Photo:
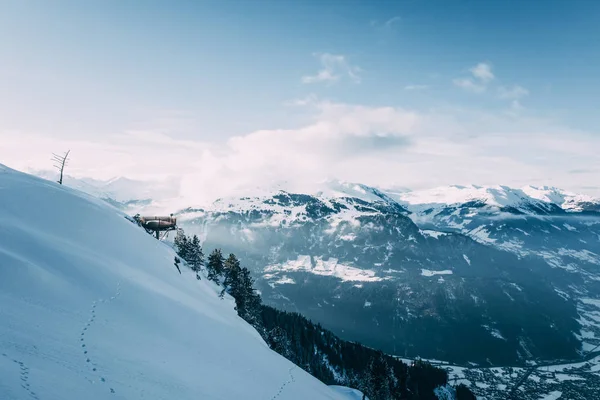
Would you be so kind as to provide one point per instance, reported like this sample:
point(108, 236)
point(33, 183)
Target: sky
point(230, 94)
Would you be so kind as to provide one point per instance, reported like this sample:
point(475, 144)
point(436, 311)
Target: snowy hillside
point(93, 308)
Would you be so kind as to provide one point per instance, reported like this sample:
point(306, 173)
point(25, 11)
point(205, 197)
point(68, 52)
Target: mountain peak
point(497, 196)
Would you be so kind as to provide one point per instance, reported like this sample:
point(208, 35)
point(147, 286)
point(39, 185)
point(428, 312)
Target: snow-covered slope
point(526, 199)
point(566, 200)
point(120, 189)
point(91, 307)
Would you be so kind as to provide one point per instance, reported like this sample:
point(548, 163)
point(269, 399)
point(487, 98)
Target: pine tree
point(463, 393)
point(280, 342)
point(231, 272)
point(377, 382)
point(195, 255)
point(181, 244)
point(215, 266)
point(249, 302)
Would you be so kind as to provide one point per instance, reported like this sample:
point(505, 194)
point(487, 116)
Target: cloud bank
point(381, 146)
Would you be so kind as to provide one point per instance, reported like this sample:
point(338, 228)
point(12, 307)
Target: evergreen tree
point(215, 266)
point(279, 341)
point(181, 244)
point(377, 379)
point(195, 255)
point(248, 301)
point(463, 393)
point(231, 272)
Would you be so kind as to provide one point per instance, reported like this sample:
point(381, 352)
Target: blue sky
point(113, 75)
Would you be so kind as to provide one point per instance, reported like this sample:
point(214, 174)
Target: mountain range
point(473, 275)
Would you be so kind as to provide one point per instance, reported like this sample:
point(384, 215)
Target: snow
point(342, 189)
point(284, 280)
point(427, 272)
point(593, 302)
point(570, 228)
point(581, 255)
point(167, 195)
point(565, 377)
point(566, 200)
point(481, 235)
point(460, 194)
point(494, 332)
point(495, 196)
point(330, 267)
point(93, 307)
point(552, 395)
point(433, 234)
point(348, 237)
point(348, 393)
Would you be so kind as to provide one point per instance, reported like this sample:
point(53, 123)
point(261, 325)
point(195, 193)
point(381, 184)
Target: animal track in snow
point(291, 380)
point(24, 372)
point(85, 330)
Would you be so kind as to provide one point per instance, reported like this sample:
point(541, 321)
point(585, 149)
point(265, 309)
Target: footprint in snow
point(24, 376)
point(91, 320)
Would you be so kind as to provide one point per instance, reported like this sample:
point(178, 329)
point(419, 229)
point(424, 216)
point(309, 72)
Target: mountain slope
point(363, 269)
point(529, 200)
point(92, 307)
point(559, 228)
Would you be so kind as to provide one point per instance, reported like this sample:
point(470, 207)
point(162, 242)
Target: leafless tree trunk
point(60, 161)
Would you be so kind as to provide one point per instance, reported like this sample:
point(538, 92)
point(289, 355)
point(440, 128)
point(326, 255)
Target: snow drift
point(92, 307)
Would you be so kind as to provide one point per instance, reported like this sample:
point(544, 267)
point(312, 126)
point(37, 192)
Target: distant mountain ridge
point(523, 199)
point(527, 200)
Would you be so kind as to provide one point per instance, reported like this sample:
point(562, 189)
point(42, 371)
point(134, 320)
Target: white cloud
point(469, 85)
point(136, 154)
point(387, 24)
point(334, 68)
point(385, 146)
point(311, 99)
point(514, 92)
point(416, 87)
point(391, 21)
point(482, 75)
point(483, 72)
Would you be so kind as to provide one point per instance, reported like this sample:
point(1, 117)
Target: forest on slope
point(315, 349)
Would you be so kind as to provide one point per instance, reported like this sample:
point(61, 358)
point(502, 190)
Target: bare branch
point(61, 162)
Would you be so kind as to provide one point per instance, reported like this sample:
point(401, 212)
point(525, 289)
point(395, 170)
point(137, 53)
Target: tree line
point(310, 346)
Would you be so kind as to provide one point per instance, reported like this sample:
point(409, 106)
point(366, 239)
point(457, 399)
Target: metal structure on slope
point(157, 224)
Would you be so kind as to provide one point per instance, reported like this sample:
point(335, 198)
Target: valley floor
point(543, 381)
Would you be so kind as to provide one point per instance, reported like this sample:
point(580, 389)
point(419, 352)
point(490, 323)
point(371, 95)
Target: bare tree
point(60, 161)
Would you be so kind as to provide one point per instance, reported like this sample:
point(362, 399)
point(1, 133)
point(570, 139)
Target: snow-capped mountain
point(526, 200)
point(340, 259)
point(91, 307)
point(490, 275)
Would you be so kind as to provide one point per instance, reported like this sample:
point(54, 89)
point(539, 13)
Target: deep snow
point(92, 307)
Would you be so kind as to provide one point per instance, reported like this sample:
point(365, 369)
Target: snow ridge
point(497, 196)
